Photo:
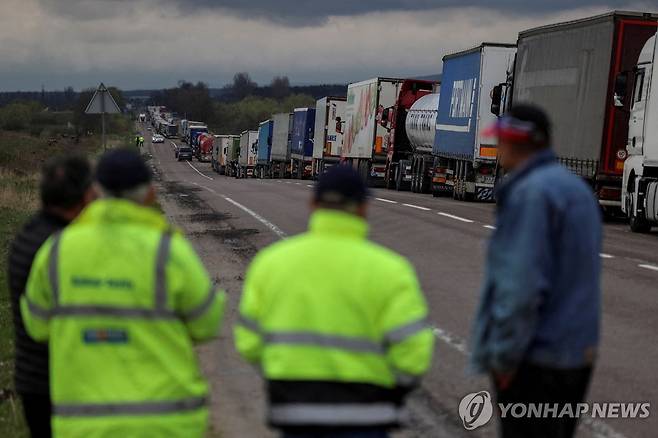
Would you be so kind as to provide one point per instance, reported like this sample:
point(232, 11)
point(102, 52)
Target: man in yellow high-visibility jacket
point(337, 324)
point(121, 298)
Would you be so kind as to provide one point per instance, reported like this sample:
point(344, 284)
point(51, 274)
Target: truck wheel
point(639, 225)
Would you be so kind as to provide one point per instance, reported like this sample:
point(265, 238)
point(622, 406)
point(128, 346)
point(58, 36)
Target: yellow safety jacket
point(121, 298)
point(337, 324)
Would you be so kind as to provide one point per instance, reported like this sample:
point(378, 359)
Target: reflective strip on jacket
point(121, 298)
point(338, 325)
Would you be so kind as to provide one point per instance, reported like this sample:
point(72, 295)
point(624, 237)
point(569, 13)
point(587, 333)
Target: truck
point(281, 144)
point(301, 147)
point(171, 130)
point(220, 152)
point(194, 131)
point(203, 150)
point(465, 163)
point(233, 158)
point(420, 128)
point(186, 130)
point(248, 149)
point(264, 149)
point(406, 167)
point(576, 71)
point(640, 176)
point(328, 133)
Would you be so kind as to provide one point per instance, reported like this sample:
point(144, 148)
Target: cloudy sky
point(154, 43)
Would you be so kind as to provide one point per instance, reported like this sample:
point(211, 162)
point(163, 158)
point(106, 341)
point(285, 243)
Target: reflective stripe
point(404, 379)
point(201, 308)
point(334, 414)
point(38, 311)
point(112, 311)
point(401, 333)
point(132, 408)
point(249, 324)
point(160, 272)
point(361, 345)
point(53, 264)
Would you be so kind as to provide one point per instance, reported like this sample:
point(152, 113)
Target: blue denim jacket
point(540, 301)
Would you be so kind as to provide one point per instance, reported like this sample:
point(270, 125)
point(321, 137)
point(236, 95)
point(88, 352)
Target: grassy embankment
point(21, 155)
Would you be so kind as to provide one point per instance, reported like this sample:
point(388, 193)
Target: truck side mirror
point(496, 99)
point(621, 86)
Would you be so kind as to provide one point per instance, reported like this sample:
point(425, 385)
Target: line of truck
point(593, 76)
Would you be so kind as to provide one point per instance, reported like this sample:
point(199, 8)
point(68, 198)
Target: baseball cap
point(122, 169)
point(341, 184)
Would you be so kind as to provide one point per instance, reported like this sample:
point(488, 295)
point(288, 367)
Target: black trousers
point(535, 384)
point(37, 410)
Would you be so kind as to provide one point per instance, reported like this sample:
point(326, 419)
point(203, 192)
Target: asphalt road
point(445, 240)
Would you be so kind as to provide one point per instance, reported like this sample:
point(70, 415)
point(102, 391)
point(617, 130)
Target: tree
point(243, 86)
point(280, 87)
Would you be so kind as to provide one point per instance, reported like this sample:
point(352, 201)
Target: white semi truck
point(640, 178)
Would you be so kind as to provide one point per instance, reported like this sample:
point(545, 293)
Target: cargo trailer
point(571, 69)
point(301, 146)
point(328, 133)
point(221, 152)
point(281, 143)
point(264, 149)
point(233, 157)
point(465, 162)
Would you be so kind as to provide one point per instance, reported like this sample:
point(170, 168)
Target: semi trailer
point(233, 157)
point(328, 133)
point(577, 71)
point(465, 162)
point(248, 148)
point(420, 127)
point(281, 144)
point(203, 150)
point(264, 149)
point(301, 147)
point(220, 152)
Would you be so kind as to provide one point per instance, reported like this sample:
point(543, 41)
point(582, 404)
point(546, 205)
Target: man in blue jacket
point(537, 328)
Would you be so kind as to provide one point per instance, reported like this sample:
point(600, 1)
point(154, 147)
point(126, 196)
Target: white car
point(157, 139)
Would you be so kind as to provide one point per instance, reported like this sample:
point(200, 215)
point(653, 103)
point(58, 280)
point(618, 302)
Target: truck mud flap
point(484, 194)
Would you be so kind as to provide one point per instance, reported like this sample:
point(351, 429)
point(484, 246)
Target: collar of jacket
point(540, 159)
point(326, 221)
point(121, 211)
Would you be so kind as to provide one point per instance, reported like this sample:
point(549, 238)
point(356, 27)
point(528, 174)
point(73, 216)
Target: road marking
point(386, 200)
point(457, 218)
point(288, 182)
point(649, 267)
point(417, 207)
point(606, 256)
point(489, 227)
point(199, 172)
point(298, 184)
point(309, 185)
point(454, 341)
point(276, 230)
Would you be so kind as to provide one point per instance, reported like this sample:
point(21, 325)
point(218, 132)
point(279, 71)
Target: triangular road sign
point(102, 102)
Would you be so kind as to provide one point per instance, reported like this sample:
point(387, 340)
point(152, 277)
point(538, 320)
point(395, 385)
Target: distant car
point(157, 139)
point(184, 153)
point(149, 128)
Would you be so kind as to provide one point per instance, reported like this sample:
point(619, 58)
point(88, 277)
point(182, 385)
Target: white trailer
point(329, 129)
point(220, 151)
point(281, 142)
point(248, 151)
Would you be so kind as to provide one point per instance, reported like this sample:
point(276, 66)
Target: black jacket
point(31, 366)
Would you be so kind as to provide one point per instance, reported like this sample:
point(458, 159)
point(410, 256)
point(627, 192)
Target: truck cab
point(640, 177)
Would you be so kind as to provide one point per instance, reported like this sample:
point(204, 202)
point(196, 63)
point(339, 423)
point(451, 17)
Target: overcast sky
point(154, 43)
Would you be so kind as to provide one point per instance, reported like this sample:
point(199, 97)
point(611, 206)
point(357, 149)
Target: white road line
point(454, 341)
point(288, 182)
point(309, 185)
point(649, 267)
point(489, 227)
point(457, 218)
point(607, 256)
point(386, 200)
point(417, 207)
point(199, 172)
point(298, 184)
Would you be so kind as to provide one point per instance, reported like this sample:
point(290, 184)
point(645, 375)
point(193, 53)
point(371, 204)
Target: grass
point(21, 157)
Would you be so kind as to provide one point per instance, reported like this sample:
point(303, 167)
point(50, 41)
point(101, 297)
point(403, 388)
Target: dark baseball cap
point(341, 185)
point(122, 169)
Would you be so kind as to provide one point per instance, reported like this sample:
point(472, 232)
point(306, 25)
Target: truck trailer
point(301, 147)
point(420, 127)
point(328, 133)
point(264, 149)
point(281, 143)
point(465, 162)
point(220, 152)
point(203, 150)
point(571, 70)
point(248, 148)
point(233, 157)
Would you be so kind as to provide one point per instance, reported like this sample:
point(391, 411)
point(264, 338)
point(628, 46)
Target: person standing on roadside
point(122, 298)
point(337, 324)
point(65, 189)
point(537, 327)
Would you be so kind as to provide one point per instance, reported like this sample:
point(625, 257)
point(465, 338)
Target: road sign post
point(102, 103)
